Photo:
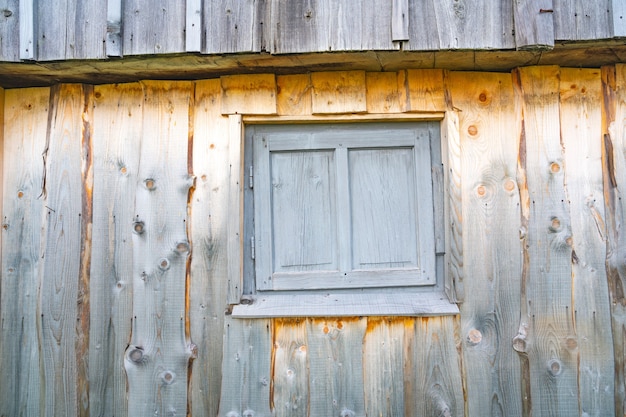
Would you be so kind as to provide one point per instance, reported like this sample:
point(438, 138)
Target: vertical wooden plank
point(63, 216)
point(400, 20)
point(236, 26)
point(336, 366)
point(290, 394)
point(193, 25)
point(460, 25)
point(249, 94)
point(246, 368)
point(114, 28)
point(491, 223)
point(383, 367)
point(235, 209)
point(422, 90)
point(153, 27)
point(582, 20)
point(117, 130)
point(581, 130)
point(10, 31)
point(382, 95)
point(614, 172)
point(534, 24)
point(453, 207)
point(436, 367)
point(157, 358)
point(293, 95)
point(546, 333)
point(209, 236)
point(618, 17)
point(27, 19)
point(25, 126)
point(338, 92)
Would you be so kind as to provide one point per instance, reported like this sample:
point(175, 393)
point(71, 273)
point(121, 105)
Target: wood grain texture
point(114, 28)
point(64, 234)
point(460, 25)
point(435, 387)
point(156, 360)
point(9, 30)
point(117, 131)
point(338, 92)
point(249, 94)
point(290, 365)
point(209, 263)
point(70, 29)
point(25, 125)
point(327, 25)
point(534, 29)
point(153, 27)
point(246, 368)
point(234, 26)
point(234, 239)
point(27, 30)
point(491, 222)
point(547, 335)
point(581, 100)
point(193, 25)
point(582, 20)
point(336, 366)
point(618, 16)
point(400, 20)
point(613, 173)
point(293, 95)
point(382, 92)
point(421, 90)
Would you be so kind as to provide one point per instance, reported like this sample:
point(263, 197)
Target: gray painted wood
point(460, 24)
point(534, 24)
point(581, 20)
point(235, 237)
point(156, 361)
point(193, 25)
point(26, 117)
point(400, 20)
point(234, 26)
point(491, 222)
point(117, 130)
point(114, 28)
point(153, 26)
point(27, 32)
point(618, 15)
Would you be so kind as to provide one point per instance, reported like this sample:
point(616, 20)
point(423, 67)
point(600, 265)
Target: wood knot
point(168, 377)
point(136, 354)
point(182, 247)
point(555, 367)
point(472, 130)
point(474, 337)
point(164, 264)
point(519, 344)
point(138, 227)
point(555, 167)
point(555, 224)
point(150, 184)
point(509, 185)
point(7, 13)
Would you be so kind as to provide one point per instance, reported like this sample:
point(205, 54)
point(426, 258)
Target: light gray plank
point(25, 126)
point(405, 303)
point(27, 34)
point(71, 29)
point(193, 26)
point(209, 263)
point(335, 348)
point(246, 368)
point(153, 26)
point(9, 30)
point(114, 28)
point(546, 328)
point(534, 24)
point(63, 215)
point(452, 24)
point(118, 124)
point(400, 20)
point(489, 129)
point(618, 17)
point(235, 208)
point(583, 159)
point(234, 26)
point(582, 20)
point(156, 361)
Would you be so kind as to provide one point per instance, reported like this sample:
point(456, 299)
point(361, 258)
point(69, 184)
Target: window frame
point(399, 301)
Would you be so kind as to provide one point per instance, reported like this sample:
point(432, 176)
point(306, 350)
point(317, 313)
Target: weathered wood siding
point(73, 29)
point(121, 252)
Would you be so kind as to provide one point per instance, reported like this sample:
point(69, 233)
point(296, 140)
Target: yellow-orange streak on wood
point(338, 92)
point(294, 95)
point(249, 94)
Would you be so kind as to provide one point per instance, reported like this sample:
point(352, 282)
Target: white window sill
point(267, 305)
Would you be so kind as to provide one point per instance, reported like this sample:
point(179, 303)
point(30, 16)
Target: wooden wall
point(72, 29)
point(117, 252)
